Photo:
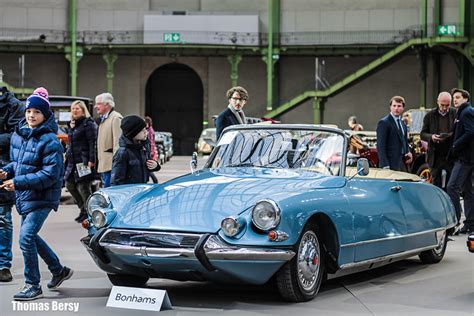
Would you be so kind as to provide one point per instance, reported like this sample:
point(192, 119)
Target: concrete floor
point(403, 288)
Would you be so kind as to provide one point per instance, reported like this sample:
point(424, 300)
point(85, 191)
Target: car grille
point(150, 239)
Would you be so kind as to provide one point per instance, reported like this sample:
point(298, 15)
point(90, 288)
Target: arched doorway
point(174, 100)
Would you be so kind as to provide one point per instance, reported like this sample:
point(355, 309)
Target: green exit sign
point(171, 37)
point(447, 30)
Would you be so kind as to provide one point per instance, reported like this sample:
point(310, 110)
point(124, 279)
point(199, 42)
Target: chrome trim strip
point(359, 243)
point(148, 252)
point(149, 232)
point(407, 254)
point(214, 248)
point(217, 249)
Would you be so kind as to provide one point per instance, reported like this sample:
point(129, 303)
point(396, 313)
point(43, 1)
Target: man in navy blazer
point(462, 154)
point(234, 113)
point(392, 138)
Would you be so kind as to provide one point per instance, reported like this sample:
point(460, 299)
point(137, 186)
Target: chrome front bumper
point(213, 247)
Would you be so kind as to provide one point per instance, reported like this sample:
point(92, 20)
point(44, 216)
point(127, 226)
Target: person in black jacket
point(234, 113)
point(11, 112)
point(132, 163)
point(80, 156)
point(437, 130)
point(462, 153)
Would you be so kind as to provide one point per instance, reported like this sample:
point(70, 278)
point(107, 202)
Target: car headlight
point(98, 218)
point(96, 201)
point(266, 215)
point(232, 226)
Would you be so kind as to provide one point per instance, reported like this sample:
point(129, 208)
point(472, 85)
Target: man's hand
point(408, 158)
point(90, 164)
point(151, 164)
point(436, 138)
point(8, 185)
point(3, 174)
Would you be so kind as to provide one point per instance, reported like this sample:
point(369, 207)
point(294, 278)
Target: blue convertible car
point(272, 201)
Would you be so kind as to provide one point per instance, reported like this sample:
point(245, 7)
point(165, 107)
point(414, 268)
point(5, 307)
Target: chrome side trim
point(217, 249)
point(407, 254)
point(364, 242)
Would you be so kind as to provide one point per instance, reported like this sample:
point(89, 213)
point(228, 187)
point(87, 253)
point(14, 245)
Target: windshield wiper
point(243, 164)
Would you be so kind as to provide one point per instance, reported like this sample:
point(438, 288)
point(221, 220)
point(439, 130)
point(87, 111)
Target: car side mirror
point(194, 162)
point(362, 167)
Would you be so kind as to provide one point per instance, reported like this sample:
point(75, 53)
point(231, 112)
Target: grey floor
point(403, 288)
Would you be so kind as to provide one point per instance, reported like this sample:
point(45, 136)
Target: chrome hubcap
point(308, 261)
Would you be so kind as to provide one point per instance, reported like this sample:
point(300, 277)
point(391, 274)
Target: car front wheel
point(127, 280)
point(300, 278)
point(435, 255)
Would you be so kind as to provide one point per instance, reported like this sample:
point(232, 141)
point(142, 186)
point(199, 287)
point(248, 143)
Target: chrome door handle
point(396, 188)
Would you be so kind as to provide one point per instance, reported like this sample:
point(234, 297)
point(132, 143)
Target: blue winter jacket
point(37, 166)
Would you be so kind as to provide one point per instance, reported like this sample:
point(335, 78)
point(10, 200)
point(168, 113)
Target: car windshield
point(313, 150)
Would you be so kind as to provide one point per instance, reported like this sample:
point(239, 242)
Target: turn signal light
point(470, 245)
point(85, 224)
point(275, 235)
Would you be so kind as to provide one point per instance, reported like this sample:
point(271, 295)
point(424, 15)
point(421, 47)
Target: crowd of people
point(34, 167)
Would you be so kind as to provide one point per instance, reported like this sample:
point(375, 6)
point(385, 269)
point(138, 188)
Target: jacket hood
point(48, 126)
point(199, 202)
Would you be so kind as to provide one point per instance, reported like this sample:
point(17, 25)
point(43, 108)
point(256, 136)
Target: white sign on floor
point(138, 298)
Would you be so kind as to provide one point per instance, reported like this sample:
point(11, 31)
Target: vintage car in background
point(61, 107)
point(366, 144)
point(205, 142)
point(164, 146)
point(272, 202)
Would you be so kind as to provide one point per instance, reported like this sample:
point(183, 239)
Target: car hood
point(198, 202)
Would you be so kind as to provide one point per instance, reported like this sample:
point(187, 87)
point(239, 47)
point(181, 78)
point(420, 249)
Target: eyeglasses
point(238, 99)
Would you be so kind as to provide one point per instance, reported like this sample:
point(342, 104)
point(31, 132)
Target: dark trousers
point(461, 181)
point(437, 173)
point(80, 191)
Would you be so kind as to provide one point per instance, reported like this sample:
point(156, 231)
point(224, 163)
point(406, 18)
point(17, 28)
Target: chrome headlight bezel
point(272, 208)
point(99, 218)
point(231, 226)
point(98, 200)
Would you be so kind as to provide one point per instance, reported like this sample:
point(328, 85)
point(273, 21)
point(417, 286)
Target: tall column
point(110, 59)
point(271, 54)
point(318, 110)
point(234, 68)
point(423, 74)
point(73, 60)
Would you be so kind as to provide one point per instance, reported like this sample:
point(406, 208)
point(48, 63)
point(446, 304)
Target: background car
point(203, 147)
point(272, 202)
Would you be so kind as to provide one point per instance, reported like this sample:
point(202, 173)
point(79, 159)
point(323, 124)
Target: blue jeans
point(6, 236)
point(460, 181)
point(106, 178)
point(31, 245)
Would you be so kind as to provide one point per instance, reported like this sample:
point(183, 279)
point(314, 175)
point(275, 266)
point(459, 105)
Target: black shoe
point(5, 275)
point(28, 293)
point(464, 230)
point(81, 217)
point(57, 280)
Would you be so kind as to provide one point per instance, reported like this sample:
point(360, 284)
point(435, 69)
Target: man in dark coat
point(392, 138)
point(11, 112)
point(437, 131)
point(462, 154)
point(234, 113)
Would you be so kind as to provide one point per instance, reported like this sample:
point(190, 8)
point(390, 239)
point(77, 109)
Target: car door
point(424, 211)
point(378, 218)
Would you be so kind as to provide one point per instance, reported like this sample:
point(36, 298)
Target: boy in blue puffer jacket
point(35, 174)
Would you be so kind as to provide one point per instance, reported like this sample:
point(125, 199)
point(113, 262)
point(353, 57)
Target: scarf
point(239, 115)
